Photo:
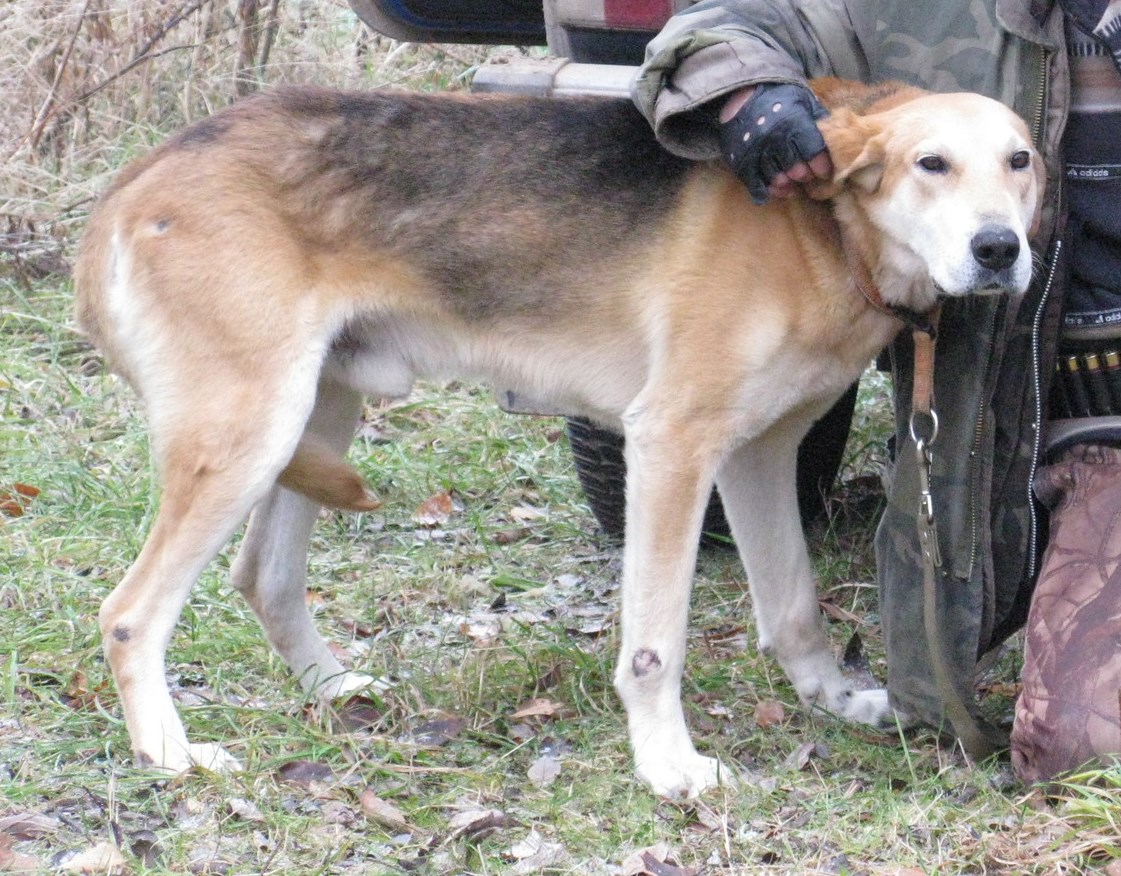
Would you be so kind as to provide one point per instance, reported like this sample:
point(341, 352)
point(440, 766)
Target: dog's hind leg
point(271, 566)
point(220, 445)
point(757, 487)
point(670, 464)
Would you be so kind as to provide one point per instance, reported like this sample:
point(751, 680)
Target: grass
point(510, 601)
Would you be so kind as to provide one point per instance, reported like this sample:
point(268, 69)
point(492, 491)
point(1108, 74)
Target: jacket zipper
point(1037, 378)
point(1039, 110)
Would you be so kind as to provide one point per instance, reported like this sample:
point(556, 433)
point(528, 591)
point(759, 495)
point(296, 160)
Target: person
point(1026, 469)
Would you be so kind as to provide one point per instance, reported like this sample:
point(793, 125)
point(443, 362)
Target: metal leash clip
point(928, 532)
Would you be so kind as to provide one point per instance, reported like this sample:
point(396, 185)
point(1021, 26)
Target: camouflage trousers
point(1069, 713)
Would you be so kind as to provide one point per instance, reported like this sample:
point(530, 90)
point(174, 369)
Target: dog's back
point(484, 202)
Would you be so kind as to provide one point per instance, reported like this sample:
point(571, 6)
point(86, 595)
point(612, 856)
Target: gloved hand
point(771, 133)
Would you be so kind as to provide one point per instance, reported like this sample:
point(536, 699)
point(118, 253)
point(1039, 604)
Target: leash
point(978, 737)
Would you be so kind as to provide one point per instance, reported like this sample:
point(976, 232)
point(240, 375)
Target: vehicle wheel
point(602, 469)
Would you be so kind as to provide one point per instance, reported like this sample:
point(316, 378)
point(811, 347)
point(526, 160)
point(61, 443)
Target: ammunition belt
point(1087, 380)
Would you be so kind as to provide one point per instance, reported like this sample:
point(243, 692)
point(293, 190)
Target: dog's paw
point(214, 757)
point(687, 779)
point(863, 706)
point(177, 759)
point(344, 684)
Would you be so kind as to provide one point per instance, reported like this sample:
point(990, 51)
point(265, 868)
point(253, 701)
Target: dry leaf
point(656, 860)
point(14, 502)
point(12, 861)
point(304, 772)
point(525, 513)
point(29, 825)
point(245, 810)
point(102, 858)
point(538, 707)
point(474, 824)
point(436, 510)
point(511, 535)
point(769, 713)
point(544, 771)
point(358, 712)
point(338, 813)
point(438, 732)
point(534, 854)
point(799, 758)
point(381, 811)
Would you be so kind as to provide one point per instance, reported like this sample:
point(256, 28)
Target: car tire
point(602, 470)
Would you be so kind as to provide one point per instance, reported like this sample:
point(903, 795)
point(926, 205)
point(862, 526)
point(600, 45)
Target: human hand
point(769, 138)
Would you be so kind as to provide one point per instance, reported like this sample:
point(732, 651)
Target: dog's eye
point(1020, 159)
point(933, 164)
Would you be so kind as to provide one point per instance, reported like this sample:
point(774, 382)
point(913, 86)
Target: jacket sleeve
point(714, 48)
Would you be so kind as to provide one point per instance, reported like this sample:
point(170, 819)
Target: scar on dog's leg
point(666, 494)
point(216, 460)
point(271, 566)
point(199, 512)
point(644, 662)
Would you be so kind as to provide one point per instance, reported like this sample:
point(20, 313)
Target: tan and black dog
point(260, 272)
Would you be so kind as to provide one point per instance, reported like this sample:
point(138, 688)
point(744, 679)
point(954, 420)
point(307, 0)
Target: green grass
point(466, 623)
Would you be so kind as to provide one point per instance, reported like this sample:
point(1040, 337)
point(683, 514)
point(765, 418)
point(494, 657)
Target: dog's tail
point(318, 472)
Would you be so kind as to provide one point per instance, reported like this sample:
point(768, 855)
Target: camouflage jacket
point(994, 357)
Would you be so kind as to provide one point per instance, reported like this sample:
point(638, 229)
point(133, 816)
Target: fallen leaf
point(481, 630)
point(511, 535)
point(245, 810)
point(544, 771)
point(14, 502)
point(102, 858)
point(304, 772)
point(534, 854)
point(769, 713)
point(711, 820)
point(358, 712)
point(799, 758)
point(475, 824)
point(436, 510)
point(337, 812)
point(12, 861)
point(145, 845)
point(654, 867)
point(656, 860)
point(438, 732)
point(538, 707)
point(381, 811)
point(525, 513)
point(29, 825)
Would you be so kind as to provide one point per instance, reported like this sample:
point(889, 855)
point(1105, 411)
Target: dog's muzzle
point(996, 252)
point(995, 247)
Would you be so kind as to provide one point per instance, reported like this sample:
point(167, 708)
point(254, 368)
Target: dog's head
point(943, 190)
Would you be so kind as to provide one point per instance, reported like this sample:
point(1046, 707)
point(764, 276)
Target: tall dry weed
point(84, 84)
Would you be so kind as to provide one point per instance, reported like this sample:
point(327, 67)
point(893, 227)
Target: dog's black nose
point(995, 247)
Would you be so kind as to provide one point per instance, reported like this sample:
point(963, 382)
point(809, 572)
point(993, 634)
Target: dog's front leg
point(757, 487)
point(669, 478)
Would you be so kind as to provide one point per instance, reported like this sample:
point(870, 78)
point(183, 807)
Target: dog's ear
point(856, 147)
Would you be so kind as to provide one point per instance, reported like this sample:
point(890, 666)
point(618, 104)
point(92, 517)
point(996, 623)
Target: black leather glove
point(771, 133)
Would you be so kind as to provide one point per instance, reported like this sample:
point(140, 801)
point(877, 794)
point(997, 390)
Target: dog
point(259, 273)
